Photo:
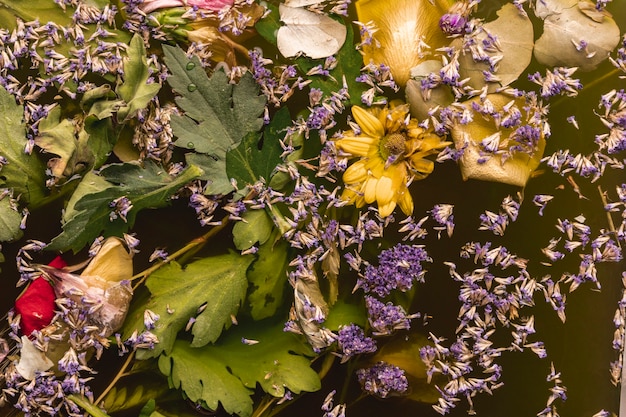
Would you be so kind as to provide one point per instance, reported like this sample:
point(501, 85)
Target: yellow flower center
point(392, 147)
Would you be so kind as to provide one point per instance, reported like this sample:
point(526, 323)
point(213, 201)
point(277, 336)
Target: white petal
point(31, 360)
point(312, 34)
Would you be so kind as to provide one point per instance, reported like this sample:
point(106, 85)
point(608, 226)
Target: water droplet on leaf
point(191, 145)
point(192, 88)
point(190, 66)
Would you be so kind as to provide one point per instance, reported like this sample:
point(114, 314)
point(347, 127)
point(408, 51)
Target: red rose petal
point(36, 305)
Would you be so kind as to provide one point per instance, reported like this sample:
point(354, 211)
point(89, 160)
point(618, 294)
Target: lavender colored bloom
point(386, 318)
point(453, 23)
point(399, 267)
point(352, 341)
point(383, 380)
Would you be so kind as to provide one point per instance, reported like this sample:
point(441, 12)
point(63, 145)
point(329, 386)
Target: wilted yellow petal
point(403, 26)
point(112, 263)
point(370, 125)
point(425, 166)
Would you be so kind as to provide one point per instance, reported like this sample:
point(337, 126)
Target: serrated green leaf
point(349, 63)
point(204, 379)
point(219, 281)
point(135, 90)
point(9, 221)
point(218, 114)
point(214, 173)
point(24, 173)
point(255, 227)
point(146, 187)
point(253, 160)
point(225, 372)
point(267, 277)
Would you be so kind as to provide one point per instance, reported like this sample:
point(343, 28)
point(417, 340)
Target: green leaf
point(349, 63)
point(227, 371)
point(146, 187)
point(135, 391)
point(255, 227)
point(214, 172)
point(267, 277)
point(269, 25)
point(10, 220)
point(218, 281)
point(342, 313)
point(135, 90)
point(24, 173)
point(42, 10)
point(218, 114)
point(253, 160)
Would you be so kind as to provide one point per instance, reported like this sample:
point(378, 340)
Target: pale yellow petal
point(402, 27)
point(370, 125)
point(357, 145)
point(355, 173)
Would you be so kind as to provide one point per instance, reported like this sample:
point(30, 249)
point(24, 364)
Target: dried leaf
point(566, 26)
point(514, 32)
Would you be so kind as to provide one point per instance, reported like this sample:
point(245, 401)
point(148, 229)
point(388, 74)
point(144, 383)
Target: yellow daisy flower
point(392, 149)
point(403, 28)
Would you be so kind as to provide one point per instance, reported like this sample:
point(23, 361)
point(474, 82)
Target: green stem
point(86, 405)
point(191, 247)
point(119, 375)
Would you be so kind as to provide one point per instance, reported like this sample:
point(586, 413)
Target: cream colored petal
point(370, 125)
point(358, 145)
point(402, 27)
point(356, 173)
point(369, 190)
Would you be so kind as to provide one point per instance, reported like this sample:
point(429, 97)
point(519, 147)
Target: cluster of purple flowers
point(386, 318)
point(383, 380)
point(399, 267)
point(352, 341)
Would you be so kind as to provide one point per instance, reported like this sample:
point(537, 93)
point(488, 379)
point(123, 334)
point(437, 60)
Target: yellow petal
point(425, 166)
point(386, 210)
point(355, 173)
point(369, 190)
point(112, 263)
point(402, 27)
point(357, 145)
point(370, 125)
point(405, 201)
point(385, 191)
